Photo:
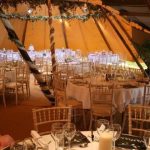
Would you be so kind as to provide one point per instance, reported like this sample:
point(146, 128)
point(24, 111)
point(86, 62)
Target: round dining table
point(47, 142)
point(122, 95)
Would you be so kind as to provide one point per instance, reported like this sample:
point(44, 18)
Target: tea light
point(105, 141)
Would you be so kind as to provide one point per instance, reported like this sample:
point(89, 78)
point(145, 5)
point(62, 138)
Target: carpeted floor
point(17, 120)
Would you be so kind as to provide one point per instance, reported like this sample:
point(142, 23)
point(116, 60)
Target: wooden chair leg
point(4, 100)
point(124, 119)
point(16, 96)
point(91, 121)
point(84, 119)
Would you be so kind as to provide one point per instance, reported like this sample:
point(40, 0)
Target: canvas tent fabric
point(79, 35)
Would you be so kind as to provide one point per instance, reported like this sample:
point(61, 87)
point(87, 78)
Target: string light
point(60, 20)
point(67, 24)
point(30, 10)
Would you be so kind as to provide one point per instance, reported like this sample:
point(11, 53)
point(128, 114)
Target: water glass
point(116, 130)
point(69, 132)
point(102, 125)
point(147, 139)
point(58, 135)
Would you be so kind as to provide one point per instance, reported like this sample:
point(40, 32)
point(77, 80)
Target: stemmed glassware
point(116, 130)
point(147, 139)
point(57, 133)
point(69, 132)
point(102, 125)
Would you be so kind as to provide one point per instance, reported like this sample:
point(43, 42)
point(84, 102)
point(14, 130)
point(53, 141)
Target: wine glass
point(102, 125)
point(69, 132)
point(147, 139)
point(57, 133)
point(116, 130)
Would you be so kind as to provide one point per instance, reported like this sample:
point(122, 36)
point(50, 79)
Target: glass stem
point(69, 144)
point(56, 145)
point(113, 144)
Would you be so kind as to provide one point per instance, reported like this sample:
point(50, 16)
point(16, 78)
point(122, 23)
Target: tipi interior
point(69, 66)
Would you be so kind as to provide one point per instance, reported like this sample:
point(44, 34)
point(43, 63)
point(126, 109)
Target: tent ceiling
point(79, 35)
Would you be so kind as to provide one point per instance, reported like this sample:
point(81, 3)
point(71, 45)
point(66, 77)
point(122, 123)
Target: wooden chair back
point(101, 94)
point(2, 84)
point(146, 99)
point(139, 119)
point(101, 99)
point(44, 117)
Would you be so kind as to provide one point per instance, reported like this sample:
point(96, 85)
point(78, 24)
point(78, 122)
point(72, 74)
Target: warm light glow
point(67, 24)
point(60, 20)
point(102, 27)
point(30, 10)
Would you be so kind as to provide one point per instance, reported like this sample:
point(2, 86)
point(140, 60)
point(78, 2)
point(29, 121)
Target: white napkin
point(38, 139)
point(101, 128)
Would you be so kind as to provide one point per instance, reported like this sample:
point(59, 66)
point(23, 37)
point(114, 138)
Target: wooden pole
point(64, 33)
point(51, 35)
point(102, 34)
point(24, 32)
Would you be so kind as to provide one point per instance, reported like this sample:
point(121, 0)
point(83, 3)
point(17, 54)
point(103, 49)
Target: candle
point(105, 141)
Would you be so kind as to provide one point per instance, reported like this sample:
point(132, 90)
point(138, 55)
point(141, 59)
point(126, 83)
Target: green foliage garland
point(67, 10)
point(144, 51)
point(82, 17)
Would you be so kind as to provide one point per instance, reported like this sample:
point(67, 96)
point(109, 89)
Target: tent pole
point(83, 37)
point(24, 32)
point(127, 46)
point(128, 36)
point(64, 33)
point(33, 68)
point(51, 35)
point(101, 32)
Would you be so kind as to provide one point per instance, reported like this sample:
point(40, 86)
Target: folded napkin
point(78, 139)
point(131, 142)
point(38, 139)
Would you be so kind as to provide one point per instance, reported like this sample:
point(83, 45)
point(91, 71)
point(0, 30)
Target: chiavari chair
point(44, 117)
point(139, 119)
point(101, 99)
point(59, 85)
point(2, 85)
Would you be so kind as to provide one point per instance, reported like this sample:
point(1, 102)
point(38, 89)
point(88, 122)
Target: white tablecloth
point(93, 145)
point(122, 96)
